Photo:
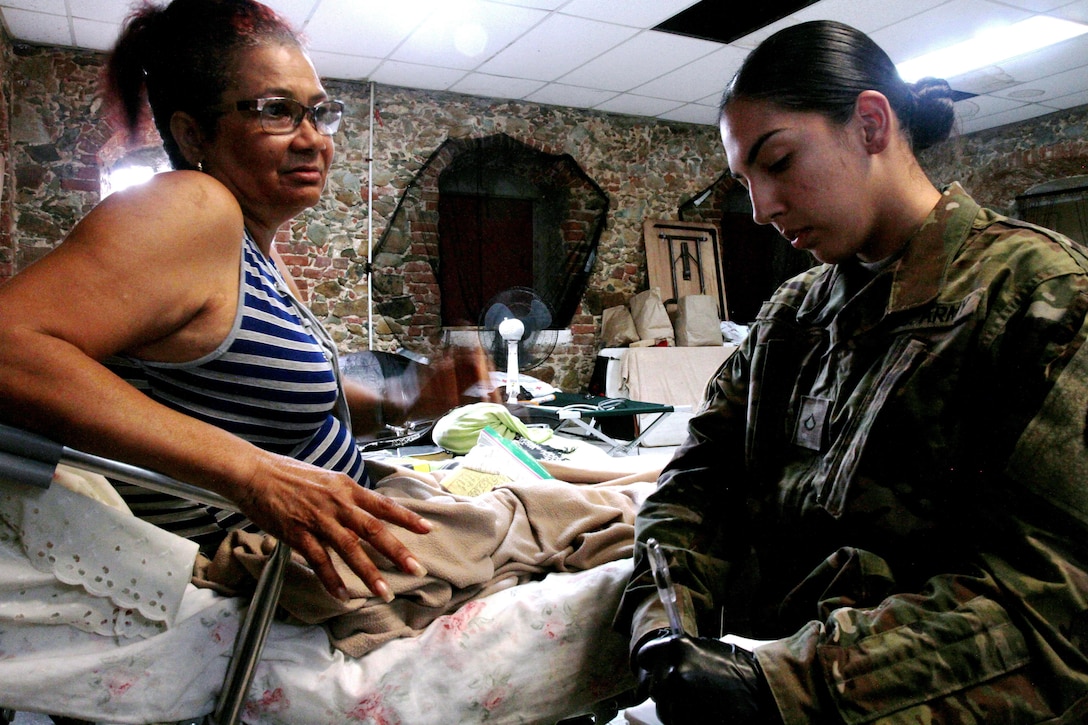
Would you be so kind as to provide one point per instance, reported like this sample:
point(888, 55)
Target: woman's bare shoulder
point(188, 203)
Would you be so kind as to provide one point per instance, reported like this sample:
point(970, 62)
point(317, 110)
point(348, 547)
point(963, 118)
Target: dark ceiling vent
point(725, 21)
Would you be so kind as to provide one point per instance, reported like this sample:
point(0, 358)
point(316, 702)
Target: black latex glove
point(697, 680)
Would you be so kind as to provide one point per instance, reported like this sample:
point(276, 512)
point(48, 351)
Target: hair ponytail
point(124, 76)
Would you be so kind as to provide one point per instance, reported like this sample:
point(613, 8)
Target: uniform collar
point(920, 271)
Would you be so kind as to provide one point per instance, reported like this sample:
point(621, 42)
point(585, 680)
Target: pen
point(665, 589)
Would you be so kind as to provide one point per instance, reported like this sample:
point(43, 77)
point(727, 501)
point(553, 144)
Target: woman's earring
point(200, 166)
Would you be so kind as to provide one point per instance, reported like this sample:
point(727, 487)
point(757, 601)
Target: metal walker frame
point(32, 459)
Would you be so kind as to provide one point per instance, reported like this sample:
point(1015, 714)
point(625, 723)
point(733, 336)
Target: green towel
point(458, 430)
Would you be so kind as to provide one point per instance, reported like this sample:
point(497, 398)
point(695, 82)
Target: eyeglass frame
point(258, 105)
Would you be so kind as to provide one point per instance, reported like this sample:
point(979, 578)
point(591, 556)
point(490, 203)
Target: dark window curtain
point(485, 246)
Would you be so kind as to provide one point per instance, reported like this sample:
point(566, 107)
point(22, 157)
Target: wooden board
point(684, 258)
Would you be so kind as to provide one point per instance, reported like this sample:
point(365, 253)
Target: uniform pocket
point(839, 467)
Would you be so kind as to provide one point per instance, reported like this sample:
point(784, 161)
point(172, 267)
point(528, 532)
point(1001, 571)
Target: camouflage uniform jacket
point(890, 480)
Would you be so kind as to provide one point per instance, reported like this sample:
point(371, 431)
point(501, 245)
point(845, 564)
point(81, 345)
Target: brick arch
point(405, 284)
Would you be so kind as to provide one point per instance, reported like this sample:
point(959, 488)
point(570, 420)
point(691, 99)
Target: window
point(134, 168)
point(483, 215)
point(1060, 205)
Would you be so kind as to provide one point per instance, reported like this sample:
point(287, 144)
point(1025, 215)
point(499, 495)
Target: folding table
point(583, 412)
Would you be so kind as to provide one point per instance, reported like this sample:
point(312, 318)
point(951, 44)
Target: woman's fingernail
point(342, 594)
point(415, 567)
point(384, 591)
point(426, 523)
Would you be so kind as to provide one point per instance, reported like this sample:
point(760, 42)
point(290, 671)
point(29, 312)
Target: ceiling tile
point(637, 105)
point(942, 26)
point(990, 79)
point(866, 17)
point(345, 67)
point(555, 47)
point(1076, 11)
point(1064, 56)
point(107, 11)
point(363, 28)
point(296, 11)
point(699, 79)
point(693, 113)
point(413, 75)
point(465, 39)
point(1080, 98)
point(539, 4)
point(1042, 90)
point(558, 94)
point(38, 27)
point(982, 106)
point(646, 56)
point(636, 13)
point(53, 7)
point(1037, 6)
point(1015, 115)
point(94, 34)
point(483, 84)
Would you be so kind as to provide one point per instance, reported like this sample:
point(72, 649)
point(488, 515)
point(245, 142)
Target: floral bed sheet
point(535, 653)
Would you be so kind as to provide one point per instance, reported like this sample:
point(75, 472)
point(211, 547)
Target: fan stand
point(511, 329)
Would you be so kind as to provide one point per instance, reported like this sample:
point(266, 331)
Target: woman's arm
point(154, 273)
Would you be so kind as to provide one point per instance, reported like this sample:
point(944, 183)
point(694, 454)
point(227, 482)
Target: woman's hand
point(459, 377)
point(315, 511)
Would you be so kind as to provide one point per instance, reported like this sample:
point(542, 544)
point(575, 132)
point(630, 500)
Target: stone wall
point(998, 164)
point(54, 142)
point(57, 134)
point(7, 180)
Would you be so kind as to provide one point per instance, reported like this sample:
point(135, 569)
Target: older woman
point(909, 528)
point(163, 331)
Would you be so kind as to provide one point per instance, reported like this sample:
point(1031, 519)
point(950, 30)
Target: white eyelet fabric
point(69, 557)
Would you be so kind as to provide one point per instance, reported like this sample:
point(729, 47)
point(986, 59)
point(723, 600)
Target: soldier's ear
point(874, 119)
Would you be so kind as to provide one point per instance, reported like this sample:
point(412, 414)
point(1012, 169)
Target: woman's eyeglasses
point(284, 115)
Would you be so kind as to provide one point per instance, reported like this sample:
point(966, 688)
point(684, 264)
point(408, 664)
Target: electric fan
point(514, 331)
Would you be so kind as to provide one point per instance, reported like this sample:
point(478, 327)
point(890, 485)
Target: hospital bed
point(537, 652)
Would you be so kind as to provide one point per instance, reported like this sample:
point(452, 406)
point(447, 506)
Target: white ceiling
point(601, 54)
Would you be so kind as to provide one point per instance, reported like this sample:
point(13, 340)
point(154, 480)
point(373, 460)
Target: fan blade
point(539, 316)
point(495, 315)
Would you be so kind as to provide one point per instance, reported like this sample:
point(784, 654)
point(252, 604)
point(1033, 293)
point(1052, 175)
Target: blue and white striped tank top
point(273, 381)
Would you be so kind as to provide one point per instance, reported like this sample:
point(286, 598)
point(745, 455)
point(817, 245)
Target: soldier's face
point(805, 174)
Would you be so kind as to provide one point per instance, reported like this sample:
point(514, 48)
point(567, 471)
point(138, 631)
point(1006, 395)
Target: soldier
point(888, 479)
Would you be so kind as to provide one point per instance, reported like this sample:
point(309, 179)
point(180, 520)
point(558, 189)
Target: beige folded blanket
point(478, 545)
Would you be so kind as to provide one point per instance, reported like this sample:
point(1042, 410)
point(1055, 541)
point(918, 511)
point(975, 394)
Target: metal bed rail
point(32, 459)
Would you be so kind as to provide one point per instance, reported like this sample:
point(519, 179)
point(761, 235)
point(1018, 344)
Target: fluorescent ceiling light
point(990, 47)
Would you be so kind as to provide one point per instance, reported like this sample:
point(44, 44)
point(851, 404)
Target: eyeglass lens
point(283, 115)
